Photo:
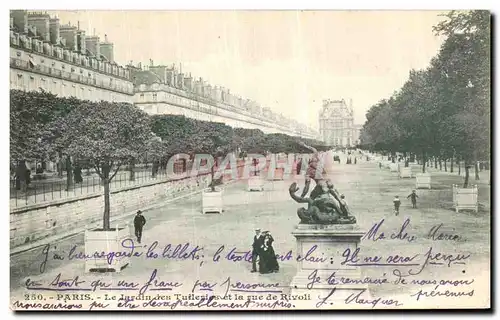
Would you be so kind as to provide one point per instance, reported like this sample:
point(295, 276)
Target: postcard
point(250, 160)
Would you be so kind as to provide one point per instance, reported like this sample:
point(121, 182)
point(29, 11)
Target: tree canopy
point(444, 110)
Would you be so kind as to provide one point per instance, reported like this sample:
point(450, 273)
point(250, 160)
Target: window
point(155, 96)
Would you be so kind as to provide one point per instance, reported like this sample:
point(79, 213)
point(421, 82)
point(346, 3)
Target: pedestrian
point(258, 242)
point(267, 260)
point(299, 166)
point(397, 203)
point(413, 196)
point(139, 222)
point(355, 160)
point(77, 172)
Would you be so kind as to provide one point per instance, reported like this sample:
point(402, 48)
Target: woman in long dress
point(268, 262)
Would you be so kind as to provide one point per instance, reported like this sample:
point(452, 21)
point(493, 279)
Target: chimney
point(20, 18)
point(107, 49)
point(54, 27)
point(188, 83)
point(93, 45)
point(69, 33)
point(80, 42)
point(180, 80)
point(170, 76)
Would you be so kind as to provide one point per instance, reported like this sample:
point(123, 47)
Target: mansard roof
point(145, 77)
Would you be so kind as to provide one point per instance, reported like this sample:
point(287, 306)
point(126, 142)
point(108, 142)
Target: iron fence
point(55, 188)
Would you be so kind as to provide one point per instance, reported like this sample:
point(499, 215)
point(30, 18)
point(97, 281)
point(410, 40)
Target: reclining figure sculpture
point(324, 206)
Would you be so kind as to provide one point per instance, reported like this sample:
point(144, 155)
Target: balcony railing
point(41, 69)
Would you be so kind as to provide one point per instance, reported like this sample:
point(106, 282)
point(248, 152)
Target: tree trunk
point(424, 161)
point(212, 182)
point(60, 165)
point(105, 179)
point(435, 162)
point(476, 170)
point(69, 173)
point(445, 165)
point(132, 170)
point(451, 163)
point(466, 180)
point(459, 168)
point(440, 164)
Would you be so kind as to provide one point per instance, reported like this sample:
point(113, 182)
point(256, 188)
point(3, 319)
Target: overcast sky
point(286, 60)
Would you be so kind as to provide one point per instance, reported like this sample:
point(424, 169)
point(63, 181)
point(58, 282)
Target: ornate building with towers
point(336, 123)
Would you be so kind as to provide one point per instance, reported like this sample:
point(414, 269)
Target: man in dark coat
point(258, 242)
point(139, 222)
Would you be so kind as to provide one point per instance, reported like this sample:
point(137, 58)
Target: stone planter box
point(99, 241)
point(405, 172)
point(278, 174)
point(393, 167)
point(255, 183)
point(423, 180)
point(465, 198)
point(212, 201)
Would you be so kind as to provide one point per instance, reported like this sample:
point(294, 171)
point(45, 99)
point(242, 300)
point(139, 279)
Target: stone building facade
point(61, 59)
point(166, 90)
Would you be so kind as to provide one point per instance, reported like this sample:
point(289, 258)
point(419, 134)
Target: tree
point(107, 134)
point(444, 110)
point(213, 138)
point(33, 126)
point(465, 60)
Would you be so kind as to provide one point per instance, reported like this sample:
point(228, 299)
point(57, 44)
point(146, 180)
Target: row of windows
point(111, 83)
point(167, 109)
point(60, 53)
point(26, 82)
point(178, 100)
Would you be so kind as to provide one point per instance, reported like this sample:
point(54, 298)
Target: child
point(397, 203)
point(414, 197)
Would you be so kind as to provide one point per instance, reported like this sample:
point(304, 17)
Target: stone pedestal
point(331, 242)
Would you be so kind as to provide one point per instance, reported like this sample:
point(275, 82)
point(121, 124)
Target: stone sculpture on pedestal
point(328, 228)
